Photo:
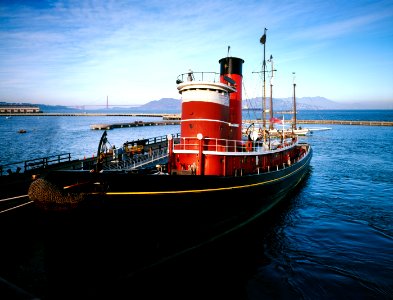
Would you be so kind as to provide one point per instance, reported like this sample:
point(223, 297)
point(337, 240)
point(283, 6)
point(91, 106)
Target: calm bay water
point(331, 239)
point(47, 136)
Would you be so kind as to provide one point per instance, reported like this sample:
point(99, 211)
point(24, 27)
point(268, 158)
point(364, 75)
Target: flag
point(276, 120)
point(262, 40)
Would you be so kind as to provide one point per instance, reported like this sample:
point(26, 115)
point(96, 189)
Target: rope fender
point(49, 196)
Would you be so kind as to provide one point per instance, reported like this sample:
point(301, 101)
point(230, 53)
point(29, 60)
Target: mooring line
point(12, 198)
point(17, 206)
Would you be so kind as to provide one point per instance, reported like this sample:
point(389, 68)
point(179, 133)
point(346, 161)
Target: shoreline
point(177, 117)
point(73, 114)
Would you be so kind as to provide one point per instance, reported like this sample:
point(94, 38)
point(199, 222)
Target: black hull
point(204, 205)
point(129, 223)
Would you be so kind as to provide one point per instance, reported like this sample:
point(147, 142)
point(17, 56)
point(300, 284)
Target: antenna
point(262, 40)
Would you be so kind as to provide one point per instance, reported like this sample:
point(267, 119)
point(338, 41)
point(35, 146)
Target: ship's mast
point(263, 42)
point(271, 92)
point(294, 103)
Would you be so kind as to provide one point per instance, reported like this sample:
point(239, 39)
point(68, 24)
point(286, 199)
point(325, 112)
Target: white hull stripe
point(209, 120)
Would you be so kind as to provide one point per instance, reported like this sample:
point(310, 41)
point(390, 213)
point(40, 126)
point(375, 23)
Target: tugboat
point(211, 173)
point(212, 181)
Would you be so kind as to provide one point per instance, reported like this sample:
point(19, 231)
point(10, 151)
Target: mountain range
point(304, 103)
point(171, 105)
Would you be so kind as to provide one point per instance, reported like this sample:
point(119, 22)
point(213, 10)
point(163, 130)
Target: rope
point(15, 207)
point(47, 195)
point(12, 198)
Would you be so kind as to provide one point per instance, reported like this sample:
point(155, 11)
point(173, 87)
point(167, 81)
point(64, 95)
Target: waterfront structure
point(18, 109)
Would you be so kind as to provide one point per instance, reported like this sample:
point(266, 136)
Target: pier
point(174, 119)
point(85, 114)
point(132, 124)
point(334, 122)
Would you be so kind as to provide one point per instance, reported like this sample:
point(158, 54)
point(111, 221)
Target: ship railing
point(63, 159)
point(192, 144)
point(37, 163)
point(198, 76)
point(151, 141)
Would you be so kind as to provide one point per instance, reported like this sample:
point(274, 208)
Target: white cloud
point(133, 51)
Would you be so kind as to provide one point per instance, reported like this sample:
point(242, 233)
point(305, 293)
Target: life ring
point(248, 145)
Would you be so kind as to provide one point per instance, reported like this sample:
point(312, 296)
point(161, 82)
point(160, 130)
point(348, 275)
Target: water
point(352, 115)
point(331, 239)
point(337, 238)
point(47, 136)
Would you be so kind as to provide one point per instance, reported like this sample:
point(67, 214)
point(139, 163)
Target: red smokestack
point(231, 67)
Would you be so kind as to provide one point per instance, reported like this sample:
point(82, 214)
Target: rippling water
point(54, 135)
point(332, 239)
point(336, 240)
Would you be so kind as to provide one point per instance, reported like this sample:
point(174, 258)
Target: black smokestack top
point(231, 65)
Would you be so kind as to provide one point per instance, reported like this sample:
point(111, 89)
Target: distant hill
point(167, 104)
point(56, 108)
point(304, 103)
point(171, 105)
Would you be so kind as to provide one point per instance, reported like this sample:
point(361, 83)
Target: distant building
point(18, 109)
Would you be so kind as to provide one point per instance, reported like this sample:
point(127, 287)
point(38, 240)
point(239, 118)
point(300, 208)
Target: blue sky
point(79, 52)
